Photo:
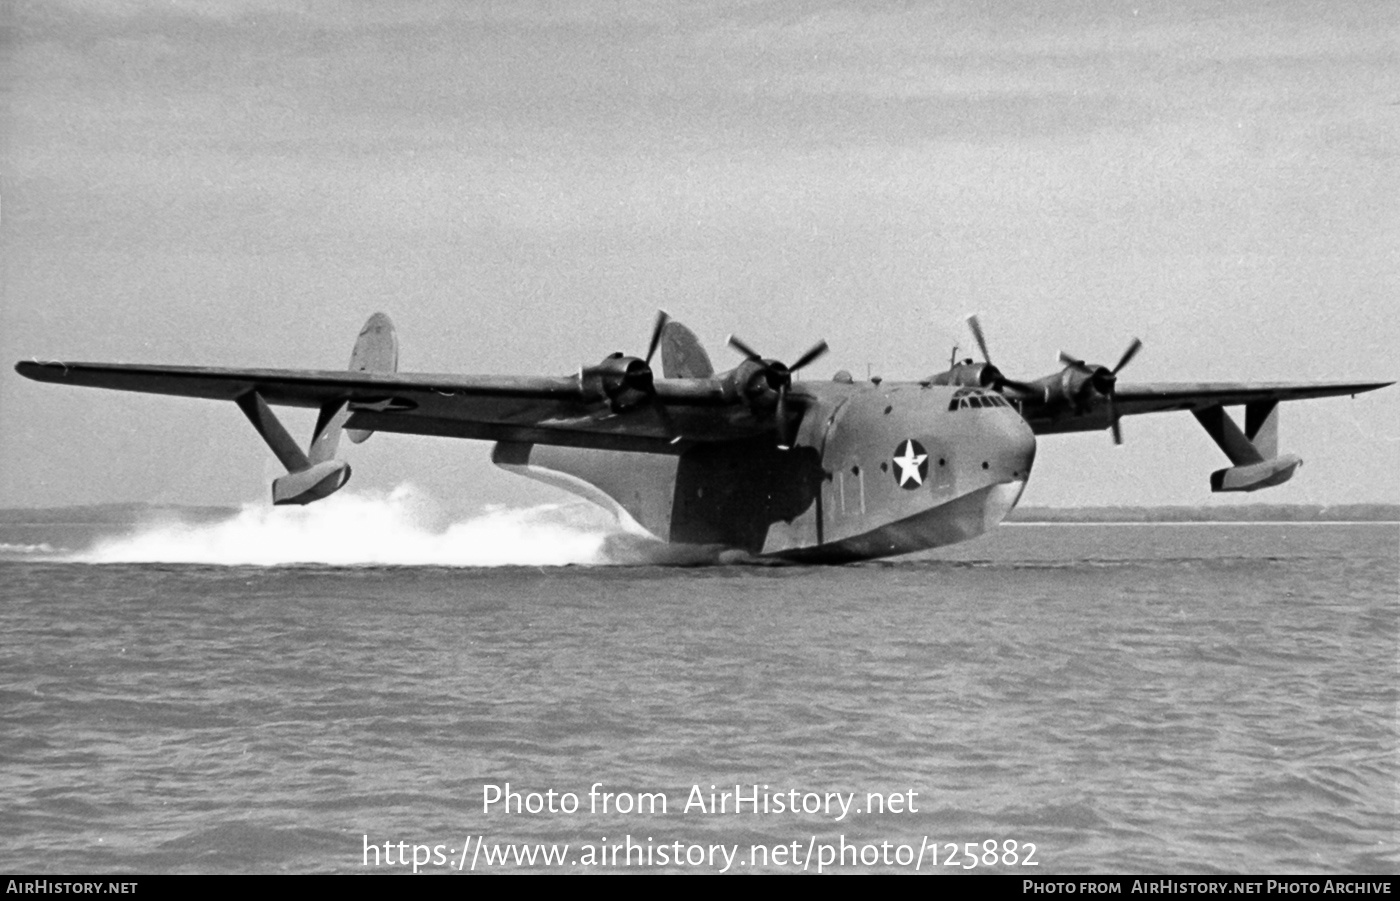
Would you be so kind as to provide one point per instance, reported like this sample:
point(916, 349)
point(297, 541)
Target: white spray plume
point(402, 527)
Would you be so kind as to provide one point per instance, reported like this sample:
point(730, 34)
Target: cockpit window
point(966, 398)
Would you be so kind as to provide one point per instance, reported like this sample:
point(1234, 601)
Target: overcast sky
point(520, 186)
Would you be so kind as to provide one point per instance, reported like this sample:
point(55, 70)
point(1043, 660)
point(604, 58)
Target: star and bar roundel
point(910, 464)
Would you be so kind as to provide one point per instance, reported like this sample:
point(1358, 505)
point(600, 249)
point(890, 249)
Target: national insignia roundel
point(910, 464)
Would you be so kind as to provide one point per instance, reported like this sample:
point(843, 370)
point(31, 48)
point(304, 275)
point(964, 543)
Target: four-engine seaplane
point(748, 460)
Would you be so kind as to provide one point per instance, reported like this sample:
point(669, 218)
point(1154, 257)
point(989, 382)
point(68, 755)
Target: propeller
point(1105, 382)
point(778, 376)
point(999, 381)
point(662, 317)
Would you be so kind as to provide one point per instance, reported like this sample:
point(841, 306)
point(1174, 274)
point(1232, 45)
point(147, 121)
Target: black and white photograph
point(701, 437)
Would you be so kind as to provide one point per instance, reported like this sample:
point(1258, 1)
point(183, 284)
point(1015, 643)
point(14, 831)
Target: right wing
point(1162, 397)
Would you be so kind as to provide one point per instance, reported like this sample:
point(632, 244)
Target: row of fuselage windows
point(971, 397)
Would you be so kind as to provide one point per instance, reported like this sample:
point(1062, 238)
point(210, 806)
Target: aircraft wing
point(1160, 397)
point(541, 410)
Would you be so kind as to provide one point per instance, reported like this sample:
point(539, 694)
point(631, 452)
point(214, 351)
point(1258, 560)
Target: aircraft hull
point(875, 472)
point(960, 519)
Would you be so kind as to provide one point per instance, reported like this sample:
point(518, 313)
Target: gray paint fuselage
point(876, 470)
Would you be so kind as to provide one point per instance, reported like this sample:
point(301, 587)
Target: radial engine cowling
point(758, 382)
point(623, 382)
point(968, 374)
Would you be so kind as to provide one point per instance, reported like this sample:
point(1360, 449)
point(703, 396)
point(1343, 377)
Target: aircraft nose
point(1008, 449)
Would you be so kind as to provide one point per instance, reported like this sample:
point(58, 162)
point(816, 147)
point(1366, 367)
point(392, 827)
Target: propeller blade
point(976, 327)
point(1128, 355)
point(662, 317)
point(1077, 364)
point(780, 420)
point(817, 350)
point(1113, 421)
point(743, 348)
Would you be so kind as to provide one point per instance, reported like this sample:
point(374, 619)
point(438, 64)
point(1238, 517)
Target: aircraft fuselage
point(876, 469)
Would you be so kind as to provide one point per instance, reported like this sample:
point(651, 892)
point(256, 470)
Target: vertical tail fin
point(376, 350)
point(682, 357)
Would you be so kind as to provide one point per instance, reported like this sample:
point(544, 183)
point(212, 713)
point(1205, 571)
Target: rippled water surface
point(1183, 698)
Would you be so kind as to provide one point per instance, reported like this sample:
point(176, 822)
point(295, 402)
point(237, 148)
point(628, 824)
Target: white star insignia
point(909, 463)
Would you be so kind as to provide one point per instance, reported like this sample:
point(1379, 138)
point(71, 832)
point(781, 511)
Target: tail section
point(316, 473)
point(682, 357)
point(376, 350)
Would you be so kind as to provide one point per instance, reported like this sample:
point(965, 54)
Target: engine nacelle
point(757, 383)
point(623, 382)
point(968, 374)
point(1077, 387)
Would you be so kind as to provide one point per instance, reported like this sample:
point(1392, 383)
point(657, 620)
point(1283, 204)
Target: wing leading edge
point(618, 405)
point(1161, 397)
point(543, 410)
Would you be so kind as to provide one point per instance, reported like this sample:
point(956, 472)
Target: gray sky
point(520, 186)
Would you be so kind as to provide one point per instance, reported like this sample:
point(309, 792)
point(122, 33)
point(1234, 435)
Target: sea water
point(1052, 699)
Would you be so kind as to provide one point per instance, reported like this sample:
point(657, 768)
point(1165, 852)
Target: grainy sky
point(521, 185)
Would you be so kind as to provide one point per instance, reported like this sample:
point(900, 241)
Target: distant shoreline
point(1237, 513)
point(127, 513)
point(112, 514)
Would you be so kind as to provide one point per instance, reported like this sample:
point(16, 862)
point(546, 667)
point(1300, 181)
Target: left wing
point(617, 404)
point(541, 410)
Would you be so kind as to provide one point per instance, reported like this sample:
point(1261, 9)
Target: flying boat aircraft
point(745, 460)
